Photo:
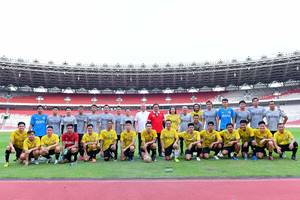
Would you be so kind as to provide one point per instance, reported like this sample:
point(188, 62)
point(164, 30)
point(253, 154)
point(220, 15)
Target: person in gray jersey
point(210, 115)
point(105, 117)
point(118, 126)
point(81, 128)
point(185, 119)
point(54, 120)
point(242, 114)
point(68, 119)
point(127, 117)
point(274, 116)
point(257, 113)
point(93, 118)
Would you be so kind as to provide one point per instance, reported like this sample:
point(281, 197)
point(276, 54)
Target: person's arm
point(162, 136)
point(32, 122)
point(75, 124)
point(51, 146)
point(233, 117)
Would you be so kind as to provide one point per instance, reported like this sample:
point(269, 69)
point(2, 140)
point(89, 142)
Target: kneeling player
point(31, 149)
point(169, 141)
point(263, 140)
point(192, 142)
point(285, 141)
point(231, 140)
point(247, 137)
point(90, 144)
point(16, 143)
point(211, 140)
point(148, 137)
point(50, 145)
point(70, 145)
point(108, 140)
point(127, 139)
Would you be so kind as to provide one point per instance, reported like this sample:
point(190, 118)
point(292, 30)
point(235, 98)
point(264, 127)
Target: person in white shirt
point(140, 120)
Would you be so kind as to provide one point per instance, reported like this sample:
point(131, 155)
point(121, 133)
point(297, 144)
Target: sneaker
point(36, 162)
point(293, 157)
point(55, 162)
point(280, 156)
point(49, 160)
point(216, 158)
point(6, 164)
point(220, 155)
point(254, 157)
point(234, 158)
point(198, 159)
point(94, 160)
point(271, 158)
point(176, 160)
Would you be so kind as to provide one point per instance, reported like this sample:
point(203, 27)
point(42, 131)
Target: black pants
point(81, 151)
point(116, 154)
point(159, 144)
point(181, 145)
point(286, 148)
point(140, 143)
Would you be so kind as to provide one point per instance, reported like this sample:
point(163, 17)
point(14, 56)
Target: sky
point(147, 31)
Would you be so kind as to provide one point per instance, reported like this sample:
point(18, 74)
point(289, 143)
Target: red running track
point(209, 189)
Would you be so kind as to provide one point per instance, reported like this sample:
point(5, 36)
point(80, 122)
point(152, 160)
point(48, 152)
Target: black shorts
point(168, 150)
point(90, 153)
point(107, 152)
point(30, 155)
point(246, 149)
point(286, 147)
point(148, 148)
point(127, 153)
point(193, 149)
point(206, 150)
point(18, 151)
point(51, 152)
point(229, 148)
point(261, 149)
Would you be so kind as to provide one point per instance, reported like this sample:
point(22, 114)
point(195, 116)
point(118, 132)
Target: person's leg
point(81, 151)
point(116, 154)
point(181, 145)
point(159, 145)
point(153, 148)
point(74, 153)
point(140, 143)
point(7, 153)
point(294, 150)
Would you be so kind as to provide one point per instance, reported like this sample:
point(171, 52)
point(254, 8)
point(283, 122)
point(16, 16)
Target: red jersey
point(70, 139)
point(156, 120)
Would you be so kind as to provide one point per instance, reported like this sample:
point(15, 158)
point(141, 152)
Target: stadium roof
point(21, 74)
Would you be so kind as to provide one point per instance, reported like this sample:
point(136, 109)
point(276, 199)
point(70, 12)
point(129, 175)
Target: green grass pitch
point(160, 169)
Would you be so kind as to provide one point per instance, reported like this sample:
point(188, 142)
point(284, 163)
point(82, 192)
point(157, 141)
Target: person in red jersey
point(157, 120)
point(70, 145)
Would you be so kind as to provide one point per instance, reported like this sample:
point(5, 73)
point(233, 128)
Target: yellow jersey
point(208, 138)
point(93, 137)
point(175, 119)
point(200, 113)
point(283, 138)
point(189, 138)
point(128, 137)
point(108, 138)
point(168, 137)
point(229, 137)
point(17, 138)
point(28, 144)
point(246, 134)
point(48, 141)
point(260, 136)
point(147, 137)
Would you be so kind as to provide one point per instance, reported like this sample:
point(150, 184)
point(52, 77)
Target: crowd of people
point(247, 132)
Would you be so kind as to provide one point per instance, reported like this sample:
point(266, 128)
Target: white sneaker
point(216, 158)
point(36, 162)
point(198, 159)
point(55, 162)
point(220, 155)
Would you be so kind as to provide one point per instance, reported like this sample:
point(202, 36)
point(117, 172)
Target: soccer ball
point(147, 159)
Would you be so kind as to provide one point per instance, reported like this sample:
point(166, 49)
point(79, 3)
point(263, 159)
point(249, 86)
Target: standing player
point(197, 111)
point(174, 118)
point(169, 141)
point(128, 137)
point(140, 123)
point(210, 115)
point(108, 139)
point(211, 140)
point(274, 116)
point(242, 114)
point(118, 125)
point(93, 118)
point(257, 113)
point(81, 120)
point(31, 149)
point(192, 142)
point(90, 144)
point(247, 137)
point(263, 140)
point(127, 117)
point(38, 122)
point(225, 115)
point(231, 141)
point(50, 145)
point(285, 141)
point(149, 137)
point(70, 141)
point(54, 120)
point(68, 119)
point(185, 119)
point(15, 145)
point(197, 123)
point(157, 120)
point(105, 117)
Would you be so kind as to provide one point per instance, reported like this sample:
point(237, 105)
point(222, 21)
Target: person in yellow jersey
point(263, 140)
point(15, 145)
point(191, 139)
point(174, 118)
point(285, 141)
point(128, 138)
point(210, 140)
point(50, 145)
point(149, 137)
point(231, 142)
point(197, 111)
point(108, 139)
point(169, 141)
point(31, 149)
point(247, 137)
point(90, 144)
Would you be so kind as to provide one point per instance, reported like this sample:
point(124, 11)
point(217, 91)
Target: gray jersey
point(210, 116)
point(184, 121)
point(241, 115)
point(93, 119)
point(119, 123)
point(68, 120)
point(256, 115)
point(54, 121)
point(128, 118)
point(273, 118)
point(81, 121)
point(104, 118)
